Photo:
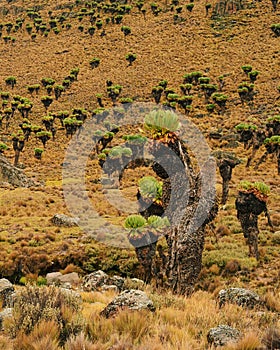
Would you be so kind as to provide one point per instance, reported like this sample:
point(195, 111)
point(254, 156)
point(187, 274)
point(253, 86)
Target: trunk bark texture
point(185, 239)
point(249, 207)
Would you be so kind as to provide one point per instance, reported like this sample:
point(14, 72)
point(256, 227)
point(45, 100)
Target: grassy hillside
point(53, 39)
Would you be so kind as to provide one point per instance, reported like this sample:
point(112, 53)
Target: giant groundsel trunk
point(185, 206)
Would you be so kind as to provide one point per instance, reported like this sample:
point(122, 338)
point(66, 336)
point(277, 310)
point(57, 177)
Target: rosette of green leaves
point(150, 188)
point(161, 122)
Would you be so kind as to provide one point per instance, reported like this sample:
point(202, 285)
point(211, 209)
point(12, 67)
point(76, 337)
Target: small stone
point(97, 279)
point(240, 296)
point(222, 335)
point(13, 175)
point(71, 279)
point(64, 220)
point(52, 277)
point(6, 291)
point(94, 280)
point(129, 299)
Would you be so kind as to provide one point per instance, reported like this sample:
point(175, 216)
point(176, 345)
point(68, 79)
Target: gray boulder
point(240, 296)
point(98, 279)
point(222, 335)
point(14, 176)
point(69, 279)
point(52, 277)
point(64, 220)
point(129, 299)
point(8, 312)
point(6, 292)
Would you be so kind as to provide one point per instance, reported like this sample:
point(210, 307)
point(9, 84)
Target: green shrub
point(276, 29)
point(204, 80)
point(126, 30)
point(32, 88)
point(94, 62)
point(190, 7)
point(220, 99)
point(58, 89)
point(11, 80)
point(44, 136)
point(253, 75)
point(99, 24)
point(186, 88)
point(47, 101)
point(210, 107)
point(172, 97)
point(23, 281)
point(47, 81)
point(157, 223)
point(274, 118)
point(273, 140)
point(130, 57)
point(41, 281)
point(246, 68)
point(244, 126)
point(157, 92)
point(3, 147)
point(38, 153)
point(118, 19)
point(5, 95)
point(259, 186)
point(125, 100)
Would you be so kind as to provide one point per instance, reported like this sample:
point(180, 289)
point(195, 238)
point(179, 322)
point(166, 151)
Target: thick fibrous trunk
point(225, 168)
point(249, 207)
point(185, 239)
point(145, 256)
point(145, 248)
point(226, 172)
point(249, 224)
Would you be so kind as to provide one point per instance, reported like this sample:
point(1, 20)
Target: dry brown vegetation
point(32, 246)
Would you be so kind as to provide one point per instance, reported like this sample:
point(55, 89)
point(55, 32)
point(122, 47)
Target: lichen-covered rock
point(14, 176)
point(6, 292)
point(94, 280)
point(98, 279)
point(222, 335)
point(128, 299)
point(5, 314)
point(116, 281)
point(240, 296)
point(64, 220)
point(110, 288)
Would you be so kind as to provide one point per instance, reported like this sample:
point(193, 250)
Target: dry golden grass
point(164, 51)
